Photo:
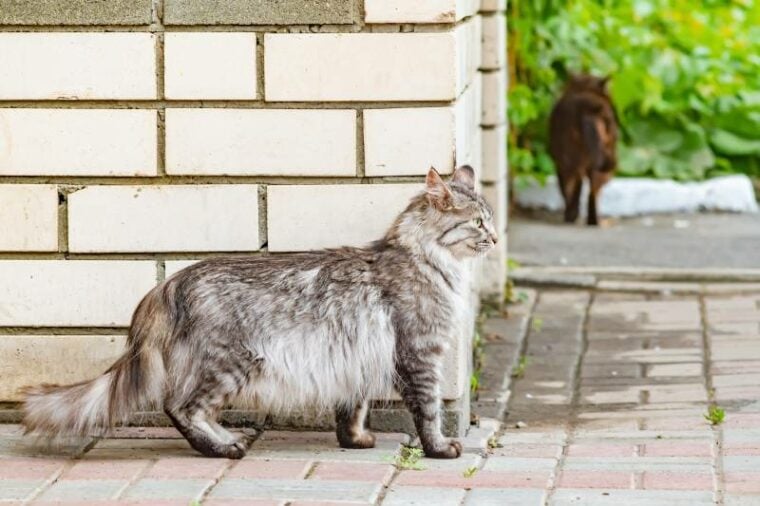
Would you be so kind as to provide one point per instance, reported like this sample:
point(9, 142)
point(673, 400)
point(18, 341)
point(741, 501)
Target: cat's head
point(457, 218)
point(588, 83)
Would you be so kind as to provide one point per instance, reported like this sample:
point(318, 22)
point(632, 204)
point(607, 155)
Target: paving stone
point(30, 469)
point(245, 502)
point(602, 450)
point(270, 469)
point(465, 461)
point(677, 481)
point(731, 499)
point(150, 489)
point(84, 490)
point(101, 469)
point(141, 449)
point(686, 464)
point(528, 450)
point(20, 490)
point(144, 433)
point(353, 471)
point(743, 482)
point(330, 490)
point(665, 370)
point(630, 497)
point(481, 479)
point(520, 464)
point(740, 463)
point(422, 496)
point(595, 479)
point(526, 436)
point(610, 371)
point(678, 449)
point(187, 468)
point(504, 497)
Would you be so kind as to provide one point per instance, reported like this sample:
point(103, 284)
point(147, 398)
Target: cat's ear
point(438, 194)
point(464, 175)
point(604, 81)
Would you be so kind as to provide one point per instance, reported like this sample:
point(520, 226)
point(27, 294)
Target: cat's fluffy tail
point(135, 381)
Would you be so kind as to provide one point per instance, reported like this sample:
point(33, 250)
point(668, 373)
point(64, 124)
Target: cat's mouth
point(482, 246)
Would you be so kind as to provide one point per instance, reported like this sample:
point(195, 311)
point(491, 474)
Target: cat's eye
point(478, 222)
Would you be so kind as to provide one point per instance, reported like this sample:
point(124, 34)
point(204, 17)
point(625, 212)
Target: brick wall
point(137, 136)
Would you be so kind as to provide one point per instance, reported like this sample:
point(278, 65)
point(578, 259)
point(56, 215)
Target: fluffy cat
point(332, 328)
point(583, 131)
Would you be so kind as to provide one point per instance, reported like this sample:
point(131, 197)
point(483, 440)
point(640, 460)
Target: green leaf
point(733, 145)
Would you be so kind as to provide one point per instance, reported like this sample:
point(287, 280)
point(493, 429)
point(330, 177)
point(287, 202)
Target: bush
point(685, 81)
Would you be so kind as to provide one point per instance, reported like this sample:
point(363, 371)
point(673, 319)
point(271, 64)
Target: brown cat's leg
point(572, 193)
point(351, 426)
point(596, 180)
point(419, 389)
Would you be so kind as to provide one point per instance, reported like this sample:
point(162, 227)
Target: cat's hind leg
point(194, 413)
point(204, 436)
point(571, 190)
point(597, 180)
point(351, 426)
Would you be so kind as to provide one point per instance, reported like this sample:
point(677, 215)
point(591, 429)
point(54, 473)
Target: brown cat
point(583, 131)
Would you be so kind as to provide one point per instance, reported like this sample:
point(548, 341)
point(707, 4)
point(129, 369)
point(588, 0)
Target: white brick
point(57, 359)
point(360, 66)
point(210, 65)
point(404, 11)
point(77, 142)
point(72, 293)
point(496, 195)
point(494, 42)
point(467, 8)
point(469, 49)
point(77, 66)
point(493, 5)
point(494, 97)
point(494, 154)
point(468, 114)
point(407, 142)
point(29, 217)
point(164, 218)
point(284, 142)
point(172, 267)
point(305, 217)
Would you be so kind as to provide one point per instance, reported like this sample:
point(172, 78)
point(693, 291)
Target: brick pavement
point(611, 405)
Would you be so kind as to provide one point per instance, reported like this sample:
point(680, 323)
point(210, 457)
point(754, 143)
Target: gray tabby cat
point(332, 328)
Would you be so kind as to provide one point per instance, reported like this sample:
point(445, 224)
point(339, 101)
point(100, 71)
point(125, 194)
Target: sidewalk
point(609, 403)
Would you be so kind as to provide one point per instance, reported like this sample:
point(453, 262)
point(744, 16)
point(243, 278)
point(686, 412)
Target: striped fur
point(330, 329)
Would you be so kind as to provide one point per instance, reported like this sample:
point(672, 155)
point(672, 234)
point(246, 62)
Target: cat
point(331, 328)
point(583, 131)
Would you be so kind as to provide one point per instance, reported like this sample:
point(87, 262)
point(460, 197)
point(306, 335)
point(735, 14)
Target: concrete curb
point(634, 279)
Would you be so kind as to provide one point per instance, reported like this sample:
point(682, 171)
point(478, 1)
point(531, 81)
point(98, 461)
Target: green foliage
point(470, 472)
point(685, 81)
point(519, 370)
point(715, 415)
point(409, 458)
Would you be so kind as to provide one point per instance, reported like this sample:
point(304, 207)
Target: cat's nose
point(494, 238)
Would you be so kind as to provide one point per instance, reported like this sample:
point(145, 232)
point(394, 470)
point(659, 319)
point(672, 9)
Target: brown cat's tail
point(134, 381)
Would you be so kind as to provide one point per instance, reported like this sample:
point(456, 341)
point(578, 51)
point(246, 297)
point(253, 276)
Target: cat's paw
point(451, 449)
point(359, 441)
point(237, 449)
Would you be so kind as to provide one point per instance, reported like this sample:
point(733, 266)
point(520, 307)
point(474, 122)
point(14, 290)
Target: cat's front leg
point(351, 426)
point(419, 386)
